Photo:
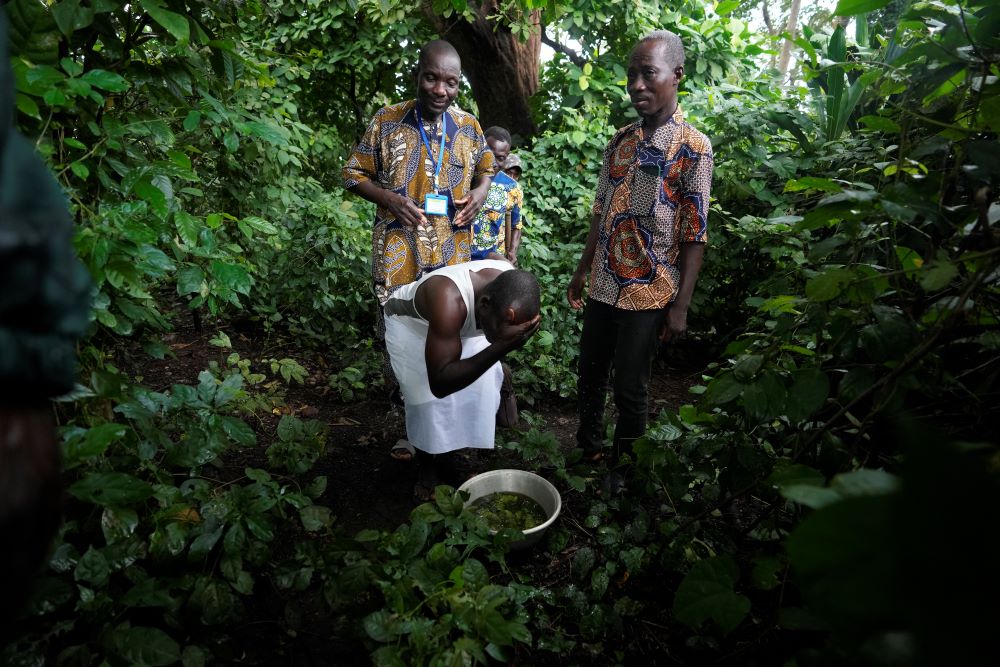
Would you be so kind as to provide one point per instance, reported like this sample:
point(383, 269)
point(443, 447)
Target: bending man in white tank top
point(446, 334)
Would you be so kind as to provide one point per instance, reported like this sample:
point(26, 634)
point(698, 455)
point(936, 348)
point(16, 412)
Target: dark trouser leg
point(638, 332)
point(597, 344)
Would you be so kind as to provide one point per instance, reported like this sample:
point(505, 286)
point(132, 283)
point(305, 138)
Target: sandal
point(403, 450)
point(422, 493)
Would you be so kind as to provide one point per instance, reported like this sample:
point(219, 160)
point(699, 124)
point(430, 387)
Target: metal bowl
point(526, 483)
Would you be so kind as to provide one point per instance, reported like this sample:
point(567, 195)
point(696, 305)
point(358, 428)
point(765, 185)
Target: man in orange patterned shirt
point(412, 156)
point(645, 246)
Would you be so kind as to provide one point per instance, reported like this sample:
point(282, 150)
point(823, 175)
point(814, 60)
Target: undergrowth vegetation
point(824, 497)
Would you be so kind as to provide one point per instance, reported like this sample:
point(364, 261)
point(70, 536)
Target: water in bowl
point(505, 510)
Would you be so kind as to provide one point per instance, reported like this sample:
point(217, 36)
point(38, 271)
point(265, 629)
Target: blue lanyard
point(427, 143)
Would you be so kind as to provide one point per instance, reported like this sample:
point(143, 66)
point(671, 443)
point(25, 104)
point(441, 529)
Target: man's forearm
point(689, 264)
point(590, 247)
point(457, 375)
point(515, 241)
point(372, 192)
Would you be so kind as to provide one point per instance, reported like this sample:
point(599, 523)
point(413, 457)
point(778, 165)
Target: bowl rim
point(530, 531)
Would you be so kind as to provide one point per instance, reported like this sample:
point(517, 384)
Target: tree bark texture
point(502, 70)
point(786, 48)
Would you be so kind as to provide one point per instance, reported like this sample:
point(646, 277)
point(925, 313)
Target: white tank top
point(401, 303)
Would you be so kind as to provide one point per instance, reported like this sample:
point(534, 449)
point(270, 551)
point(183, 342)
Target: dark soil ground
point(366, 487)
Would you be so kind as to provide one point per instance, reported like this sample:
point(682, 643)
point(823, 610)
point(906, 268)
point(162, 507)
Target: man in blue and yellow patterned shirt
point(496, 231)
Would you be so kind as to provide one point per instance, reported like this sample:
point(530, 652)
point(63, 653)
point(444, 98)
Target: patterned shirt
point(653, 194)
point(392, 155)
point(488, 234)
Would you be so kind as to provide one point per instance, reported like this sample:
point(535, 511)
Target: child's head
point(513, 167)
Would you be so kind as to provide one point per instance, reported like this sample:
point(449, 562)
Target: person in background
point(496, 231)
point(644, 249)
point(426, 165)
point(446, 335)
point(513, 167)
point(44, 310)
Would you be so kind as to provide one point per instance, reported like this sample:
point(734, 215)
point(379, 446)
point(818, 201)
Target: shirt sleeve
point(485, 160)
point(364, 162)
point(603, 181)
point(697, 184)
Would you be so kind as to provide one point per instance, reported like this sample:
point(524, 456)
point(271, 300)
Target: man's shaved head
point(437, 47)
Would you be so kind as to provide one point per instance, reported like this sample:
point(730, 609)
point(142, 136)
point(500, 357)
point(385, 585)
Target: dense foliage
point(824, 499)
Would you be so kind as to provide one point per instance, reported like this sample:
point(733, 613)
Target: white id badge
point(436, 204)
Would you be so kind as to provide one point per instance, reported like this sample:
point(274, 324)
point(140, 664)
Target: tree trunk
point(502, 70)
point(786, 48)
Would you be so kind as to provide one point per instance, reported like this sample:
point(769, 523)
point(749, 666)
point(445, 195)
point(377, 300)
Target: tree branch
point(574, 57)
point(767, 19)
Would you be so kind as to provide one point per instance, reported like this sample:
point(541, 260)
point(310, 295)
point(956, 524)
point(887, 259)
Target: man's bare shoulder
point(441, 302)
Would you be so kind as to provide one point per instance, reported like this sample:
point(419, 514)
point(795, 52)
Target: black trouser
point(625, 340)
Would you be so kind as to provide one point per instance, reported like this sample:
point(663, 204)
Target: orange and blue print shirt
point(653, 194)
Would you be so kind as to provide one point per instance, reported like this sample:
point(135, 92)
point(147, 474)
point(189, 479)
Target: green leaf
point(726, 7)
point(316, 488)
point(880, 124)
point(315, 517)
point(583, 562)
point(747, 367)
point(28, 106)
point(765, 398)
point(380, 626)
point(215, 600)
point(188, 227)
point(192, 120)
point(118, 523)
point(190, 280)
point(265, 131)
point(764, 575)
point(938, 275)
point(260, 225)
point(828, 285)
point(810, 389)
point(80, 170)
point(810, 496)
point(194, 656)
point(844, 559)
point(723, 389)
point(175, 24)
point(232, 276)
point(105, 80)
point(857, 381)
point(231, 141)
point(70, 16)
point(95, 443)
point(706, 593)
point(812, 183)
point(146, 646)
point(33, 31)
point(239, 431)
point(150, 592)
point(204, 543)
point(92, 568)
point(889, 339)
point(794, 474)
point(111, 488)
point(865, 482)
